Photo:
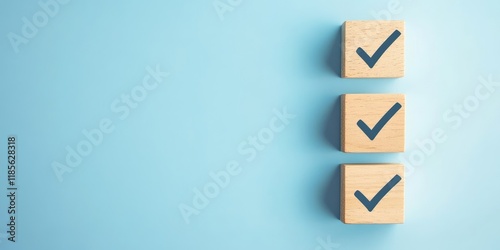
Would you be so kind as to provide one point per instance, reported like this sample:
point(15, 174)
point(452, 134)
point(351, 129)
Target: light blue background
point(226, 77)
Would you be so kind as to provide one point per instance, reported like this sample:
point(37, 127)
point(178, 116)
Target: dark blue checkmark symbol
point(370, 205)
point(371, 61)
point(372, 133)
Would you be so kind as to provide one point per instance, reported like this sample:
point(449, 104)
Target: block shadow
point(333, 57)
point(331, 193)
point(331, 129)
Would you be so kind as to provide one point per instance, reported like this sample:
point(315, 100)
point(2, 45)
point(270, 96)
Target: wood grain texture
point(369, 179)
point(370, 108)
point(369, 35)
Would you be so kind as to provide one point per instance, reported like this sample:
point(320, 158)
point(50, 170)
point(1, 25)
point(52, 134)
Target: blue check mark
point(370, 205)
point(371, 61)
point(372, 133)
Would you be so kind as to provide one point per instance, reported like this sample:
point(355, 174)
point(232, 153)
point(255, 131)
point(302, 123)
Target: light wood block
point(370, 109)
point(369, 36)
point(370, 179)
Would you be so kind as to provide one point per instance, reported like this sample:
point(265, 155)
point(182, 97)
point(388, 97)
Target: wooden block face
point(363, 42)
point(372, 123)
point(382, 183)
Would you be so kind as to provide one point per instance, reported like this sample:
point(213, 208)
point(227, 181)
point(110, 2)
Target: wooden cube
point(372, 123)
point(373, 49)
point(372, 193)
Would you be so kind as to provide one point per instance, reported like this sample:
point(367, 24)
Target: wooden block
point(372, 181)
point(368, 37)
point(363, 115)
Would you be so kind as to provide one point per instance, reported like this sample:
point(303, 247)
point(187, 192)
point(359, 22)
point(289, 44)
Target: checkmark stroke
point(370, 205)
point(372, 133)
point(371, 61)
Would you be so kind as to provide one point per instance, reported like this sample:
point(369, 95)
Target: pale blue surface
point(226, 77)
